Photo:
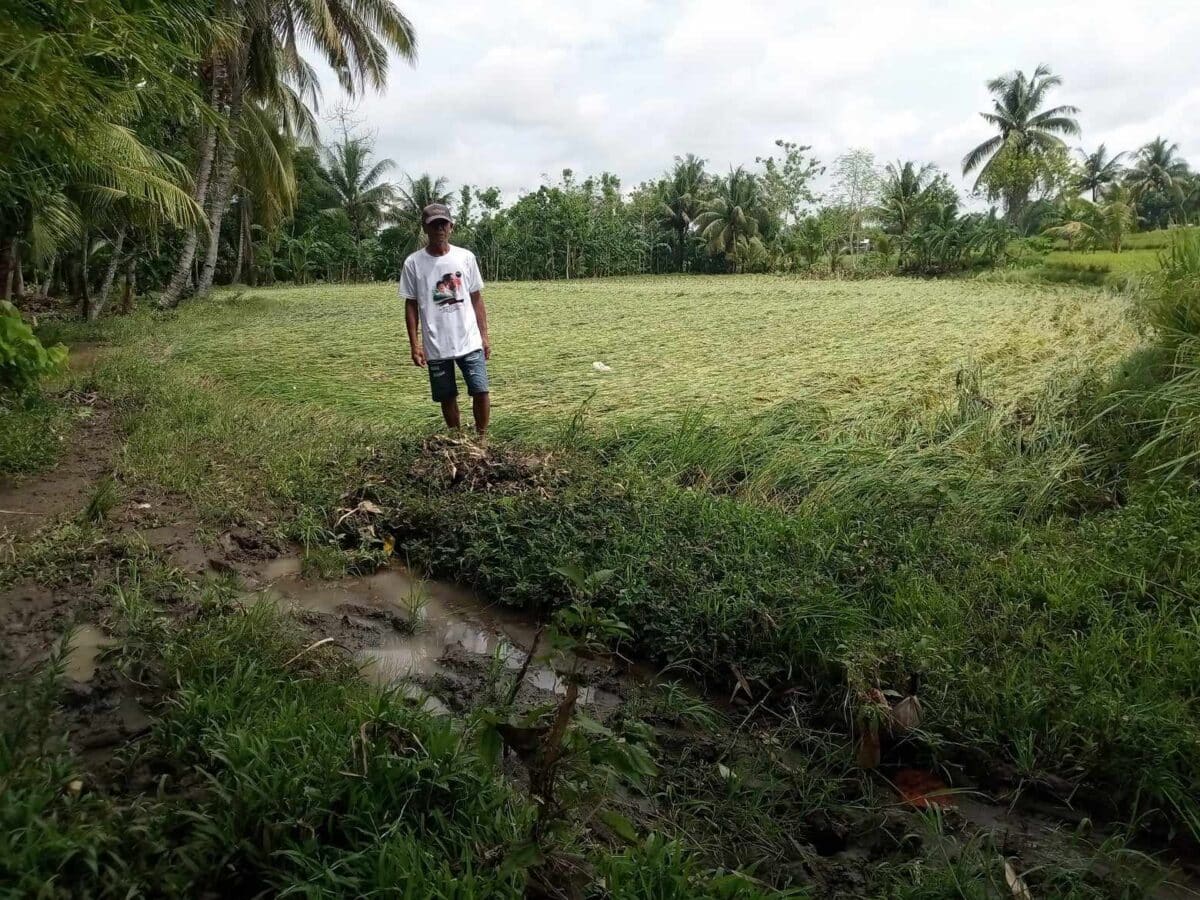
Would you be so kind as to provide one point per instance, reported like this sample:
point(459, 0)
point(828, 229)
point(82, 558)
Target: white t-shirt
point(442, 287)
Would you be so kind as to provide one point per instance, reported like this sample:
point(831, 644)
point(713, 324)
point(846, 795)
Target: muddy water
point(432, 623)
point(83, 649)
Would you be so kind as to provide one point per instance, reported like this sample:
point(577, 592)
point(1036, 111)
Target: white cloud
point(505, 92)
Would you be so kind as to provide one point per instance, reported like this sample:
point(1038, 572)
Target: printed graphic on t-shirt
point(445, 291)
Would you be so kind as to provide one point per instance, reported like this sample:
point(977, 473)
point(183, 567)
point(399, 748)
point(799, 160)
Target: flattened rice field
point(732, 346)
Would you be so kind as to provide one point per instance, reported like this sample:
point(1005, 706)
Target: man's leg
point(481, 406)
point(474, 369)
point(444, 389)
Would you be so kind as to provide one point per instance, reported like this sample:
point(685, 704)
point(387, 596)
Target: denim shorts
point(441, 376)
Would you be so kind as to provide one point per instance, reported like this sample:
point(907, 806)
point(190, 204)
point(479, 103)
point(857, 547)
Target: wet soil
point(439, 640)
point(65, 608)
point(445, 647)
point(28, 503)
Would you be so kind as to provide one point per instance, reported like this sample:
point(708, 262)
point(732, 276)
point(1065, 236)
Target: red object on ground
point(922, 789)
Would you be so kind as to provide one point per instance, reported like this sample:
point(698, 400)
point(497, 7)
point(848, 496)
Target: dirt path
point(27, 503)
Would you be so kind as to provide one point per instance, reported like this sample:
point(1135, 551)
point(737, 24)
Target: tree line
point(167, 147)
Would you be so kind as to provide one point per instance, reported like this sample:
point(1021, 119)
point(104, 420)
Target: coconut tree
point(263, 64)
point(1157, 180)
point(682, 201)
point(1099, 170)
point(412, 197)
point(79, 78)
point(1008, 162)
point(265, 186)
point(731, 221)
point(1115, 217)
point(904, 197)
point(1077, 224)
point(361, 193)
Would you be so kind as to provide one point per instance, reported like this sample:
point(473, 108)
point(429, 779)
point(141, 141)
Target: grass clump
point(33, 429)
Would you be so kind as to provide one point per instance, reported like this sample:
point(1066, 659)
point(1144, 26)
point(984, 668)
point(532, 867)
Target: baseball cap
point(435, 211)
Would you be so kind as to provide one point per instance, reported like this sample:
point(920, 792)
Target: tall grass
point(1174, 312)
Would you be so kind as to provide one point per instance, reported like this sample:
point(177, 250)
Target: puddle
point(86, 642)
point(425, 626)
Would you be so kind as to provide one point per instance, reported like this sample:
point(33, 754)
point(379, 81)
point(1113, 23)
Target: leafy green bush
point(1173, 404)
point(23, 359)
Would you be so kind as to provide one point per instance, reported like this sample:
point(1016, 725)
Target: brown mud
point(439, 639)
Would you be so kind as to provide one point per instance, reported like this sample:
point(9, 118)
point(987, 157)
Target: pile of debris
point(467, 465)
point(443, 464)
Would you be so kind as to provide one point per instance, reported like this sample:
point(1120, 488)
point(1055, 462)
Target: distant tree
point(1191, 198)
point(787, 182)
point(907, 193)
point(1116, 216)
point(856, 189)
point(683, 192)
point(1157, 179)
point(1077, 224)
point(360, 192)
point(1010, 163)
point(1098, 170)
point(731, 222)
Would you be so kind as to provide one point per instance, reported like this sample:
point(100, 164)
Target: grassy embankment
point(991, 536)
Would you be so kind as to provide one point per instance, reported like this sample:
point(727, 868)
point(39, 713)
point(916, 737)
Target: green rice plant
point(1174, 312)
point(730, 347)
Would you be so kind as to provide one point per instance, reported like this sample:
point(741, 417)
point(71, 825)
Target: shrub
point(23, 359)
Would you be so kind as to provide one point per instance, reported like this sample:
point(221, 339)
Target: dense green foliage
point(23, 359)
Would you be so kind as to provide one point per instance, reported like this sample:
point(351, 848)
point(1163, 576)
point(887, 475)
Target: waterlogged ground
point(733, 346)
point(745, 796)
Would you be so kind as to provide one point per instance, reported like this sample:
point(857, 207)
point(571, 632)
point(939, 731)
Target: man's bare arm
point(481, 318)
point(411, 323)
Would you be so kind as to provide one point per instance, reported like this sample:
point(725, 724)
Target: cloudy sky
point(506, 93)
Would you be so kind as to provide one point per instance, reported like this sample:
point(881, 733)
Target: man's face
point(438, 231)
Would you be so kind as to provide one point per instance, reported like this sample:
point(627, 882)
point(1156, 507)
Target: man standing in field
point(436, 283)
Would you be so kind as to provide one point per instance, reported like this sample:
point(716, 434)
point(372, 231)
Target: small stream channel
point(411, 629)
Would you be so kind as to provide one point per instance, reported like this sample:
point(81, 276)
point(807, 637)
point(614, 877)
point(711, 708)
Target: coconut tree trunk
point(7, 250)
point(243, 228)
point(95, 308)
point(183, 266)
point(248, 240)
point(130, 289)
point(48, 284)
point(218, 203)
point(18, 274)
point(84, 287)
